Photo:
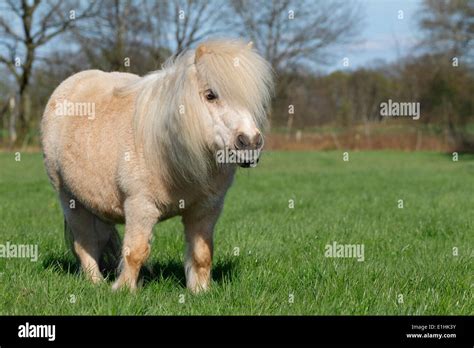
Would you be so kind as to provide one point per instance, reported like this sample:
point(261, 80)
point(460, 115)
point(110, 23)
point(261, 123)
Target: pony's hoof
point(116, 286)
point(198, 288)
point(95, 278)
point(119, 284)
point(97, 281)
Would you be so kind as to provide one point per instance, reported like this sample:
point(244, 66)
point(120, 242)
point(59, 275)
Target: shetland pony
point(120, 148)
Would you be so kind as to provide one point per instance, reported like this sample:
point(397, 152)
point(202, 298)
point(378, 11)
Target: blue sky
point(383, 35)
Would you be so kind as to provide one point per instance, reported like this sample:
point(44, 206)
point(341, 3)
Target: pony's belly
point(92, 181)
point(101, 199)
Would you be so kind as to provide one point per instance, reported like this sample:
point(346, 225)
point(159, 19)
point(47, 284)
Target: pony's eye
point(210, 95)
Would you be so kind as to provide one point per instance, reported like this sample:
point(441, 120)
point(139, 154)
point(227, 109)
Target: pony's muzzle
point(248, 148)
point(245, 142)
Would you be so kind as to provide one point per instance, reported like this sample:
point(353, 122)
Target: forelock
point(238, 74)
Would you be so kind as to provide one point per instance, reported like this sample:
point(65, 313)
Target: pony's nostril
point(243, 141)
point(258, 141)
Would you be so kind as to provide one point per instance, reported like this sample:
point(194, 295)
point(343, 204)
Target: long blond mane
point(168, 122)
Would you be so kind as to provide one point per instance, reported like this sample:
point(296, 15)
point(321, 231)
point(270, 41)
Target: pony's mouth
point(247, 158)
point(242, 158)
point(249, 164)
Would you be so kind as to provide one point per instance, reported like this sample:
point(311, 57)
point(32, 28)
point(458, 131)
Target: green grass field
point(281, 268)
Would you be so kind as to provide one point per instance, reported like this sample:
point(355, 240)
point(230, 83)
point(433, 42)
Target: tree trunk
point(24, 103)
point(24, 114)
point(12, 121)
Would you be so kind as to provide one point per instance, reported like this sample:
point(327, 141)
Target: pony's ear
point(200, 51)
point(250, 45)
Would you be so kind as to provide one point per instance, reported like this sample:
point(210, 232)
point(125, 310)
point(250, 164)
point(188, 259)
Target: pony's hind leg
point(81, 235)
point(109, 245)
point(141, 216)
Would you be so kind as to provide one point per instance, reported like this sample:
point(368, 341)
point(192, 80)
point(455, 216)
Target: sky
point(383, 35)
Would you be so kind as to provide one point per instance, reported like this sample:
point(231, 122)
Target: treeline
point(44, 42)
point(443, 87)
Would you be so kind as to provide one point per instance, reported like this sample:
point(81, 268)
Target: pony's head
point(212, 99)
point(234, 85)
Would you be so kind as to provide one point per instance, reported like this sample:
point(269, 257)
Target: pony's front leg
point(199, 230)
point(140, 217)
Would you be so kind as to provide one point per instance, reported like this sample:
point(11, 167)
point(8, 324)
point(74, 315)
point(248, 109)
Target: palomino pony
point(120, 148)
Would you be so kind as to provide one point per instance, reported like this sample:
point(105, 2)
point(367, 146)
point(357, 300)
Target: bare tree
point(121, 36)
point(24, 27)
point(290, 32)
point(294, 34)
point(146, 31)
point(194, 20)
point(449, 38)
point(448, 26)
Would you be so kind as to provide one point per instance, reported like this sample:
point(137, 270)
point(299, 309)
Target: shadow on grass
point(62, 263)
point(153, 272)
point(66, 264)
point(174, 270)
